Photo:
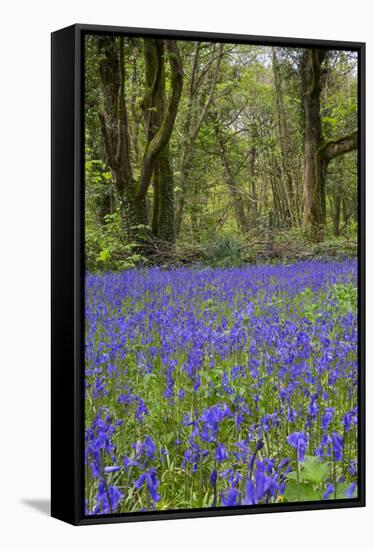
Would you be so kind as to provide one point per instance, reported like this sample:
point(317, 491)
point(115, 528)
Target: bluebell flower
point(213, 477)
point(350, 419)
point(329, 490)
point(292, 414)
point(141, 409)
point(351, 490)
point(313, 409)
point(221, 453)
point(352, 469)
point(231, 497)
point(150, 478)
point(262, 487)
point(327, 417)
point(149, 447)
point(105, 505)
point(338, 446)
point(110, 469)
point(299, 441)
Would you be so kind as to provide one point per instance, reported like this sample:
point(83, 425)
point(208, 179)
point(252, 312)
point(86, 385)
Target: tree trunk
point(314, 219)
point(336, 214)
point(159, 115)
point(154, 105)
point(115, 133)
point(284, 141)
point(166, 222)
point(236, 196)
point(317, 154)
point(252, 189)
point(345, 212)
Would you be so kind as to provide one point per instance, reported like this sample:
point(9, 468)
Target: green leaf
point(104, 255)
point(306, 492)
point(312, 469)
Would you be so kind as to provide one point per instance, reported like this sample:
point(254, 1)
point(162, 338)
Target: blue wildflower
point(150, 478)
point(299, 441)
point(231, 497)
point(329, 490)
point(221, 453)
point(351, 490)
point(327, 417)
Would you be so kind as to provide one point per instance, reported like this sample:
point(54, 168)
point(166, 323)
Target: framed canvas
point(208, 278)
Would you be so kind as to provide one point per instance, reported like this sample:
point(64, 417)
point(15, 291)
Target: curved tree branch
point(161, 138)
point(333, 149)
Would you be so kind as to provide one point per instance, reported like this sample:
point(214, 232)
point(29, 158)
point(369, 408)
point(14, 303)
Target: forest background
point(219, 154)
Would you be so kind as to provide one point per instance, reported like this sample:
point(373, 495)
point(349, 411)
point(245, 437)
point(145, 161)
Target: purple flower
point(353, 468)
point(141, 410)
point(299, 441)
point(150, 478)
point(292, 415)
point(149, 447)
point(105, 505)
point(231, 497)
point(351, 489)
point(327, 417)
point(262, 487)
point(109, 469)
point(338, 446)
point(221, 453)
point(350, 419)
point(313, 409)
point(213, 477)
point(329, 490)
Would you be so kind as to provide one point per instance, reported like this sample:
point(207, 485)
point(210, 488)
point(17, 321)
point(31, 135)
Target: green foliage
point(106, 248)
point(224, 251)
point(313, 470)
point(310, 483)
point(346, 296)
point(301, 492)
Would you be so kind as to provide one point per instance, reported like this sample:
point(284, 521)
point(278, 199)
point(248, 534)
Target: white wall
point(25, 258)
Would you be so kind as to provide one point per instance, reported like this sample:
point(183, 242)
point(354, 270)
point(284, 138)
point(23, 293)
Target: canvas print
point(221, 320)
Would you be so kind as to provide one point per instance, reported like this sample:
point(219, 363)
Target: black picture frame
point(67, 421)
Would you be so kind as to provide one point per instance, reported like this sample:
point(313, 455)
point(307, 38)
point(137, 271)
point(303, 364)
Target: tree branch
point(333, 149)
point(194, 68)
point(210, 96)
point(161, 138)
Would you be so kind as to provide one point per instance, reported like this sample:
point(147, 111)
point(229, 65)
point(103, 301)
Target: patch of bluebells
point(230, 377)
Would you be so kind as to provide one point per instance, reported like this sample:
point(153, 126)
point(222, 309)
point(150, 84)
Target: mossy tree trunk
point(313, 168)
point(317, 153)
point(154, 107)
point(160, 113)
point(115, 132)
point(284, 143)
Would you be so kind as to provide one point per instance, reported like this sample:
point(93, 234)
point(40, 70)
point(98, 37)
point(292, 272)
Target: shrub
point(224, 251)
